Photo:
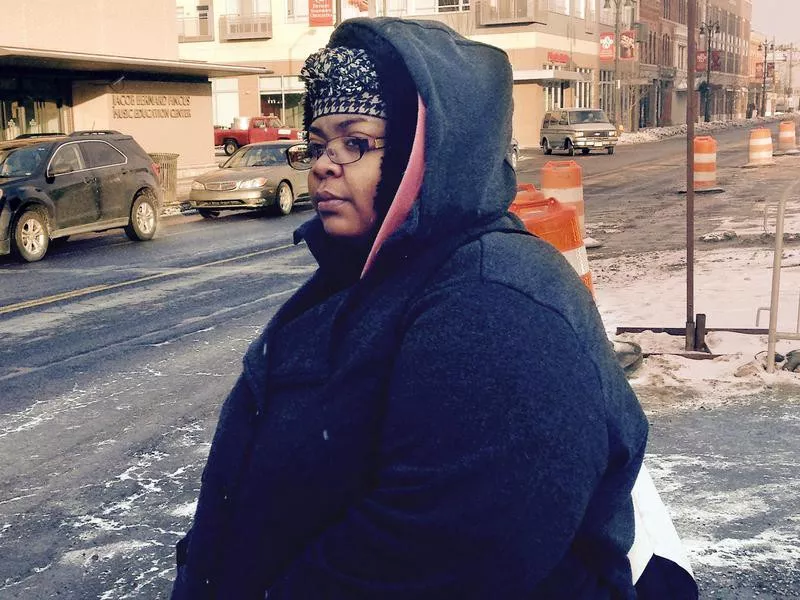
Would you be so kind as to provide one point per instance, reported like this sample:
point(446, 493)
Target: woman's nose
point(325, 166)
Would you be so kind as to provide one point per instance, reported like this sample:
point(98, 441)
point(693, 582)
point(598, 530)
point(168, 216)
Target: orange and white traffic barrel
point(787, 138)
point(705, 165)
point(563, 180)
point(555, 223)
point(760, 150)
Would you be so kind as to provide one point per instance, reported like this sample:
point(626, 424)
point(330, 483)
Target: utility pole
point(791, 90)
point(691, 116)
point(617, 78)
point(707, 110)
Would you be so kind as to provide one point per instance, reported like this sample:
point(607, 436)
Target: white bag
point(655, 533)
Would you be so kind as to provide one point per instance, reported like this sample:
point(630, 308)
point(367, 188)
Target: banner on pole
point(607, 46)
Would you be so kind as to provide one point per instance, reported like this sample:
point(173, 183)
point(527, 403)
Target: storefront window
point(283, 96)
point(31, 106)
point(583, 89)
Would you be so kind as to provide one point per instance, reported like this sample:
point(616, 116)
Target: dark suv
point(53, 187)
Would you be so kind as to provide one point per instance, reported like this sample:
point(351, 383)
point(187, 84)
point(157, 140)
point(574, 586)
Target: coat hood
point(465, 88)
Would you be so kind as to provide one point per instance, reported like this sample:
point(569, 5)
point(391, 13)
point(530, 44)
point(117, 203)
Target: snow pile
point(731, 284)
point(654, 134)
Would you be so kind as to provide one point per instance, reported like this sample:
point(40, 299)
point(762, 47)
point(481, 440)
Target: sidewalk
point(732, 280)
point(723, 447)
point(655, 134)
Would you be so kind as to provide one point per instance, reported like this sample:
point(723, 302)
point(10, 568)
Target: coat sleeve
point(494, 442)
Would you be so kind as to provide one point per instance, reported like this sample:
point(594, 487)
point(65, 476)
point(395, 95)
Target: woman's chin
point(337, 226)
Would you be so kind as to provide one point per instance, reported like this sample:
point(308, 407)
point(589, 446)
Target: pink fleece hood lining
point(407, 191)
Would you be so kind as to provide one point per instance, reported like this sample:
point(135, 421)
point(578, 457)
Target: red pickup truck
point(246, 130)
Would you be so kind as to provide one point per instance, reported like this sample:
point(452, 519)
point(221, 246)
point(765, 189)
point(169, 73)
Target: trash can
point(168, 176)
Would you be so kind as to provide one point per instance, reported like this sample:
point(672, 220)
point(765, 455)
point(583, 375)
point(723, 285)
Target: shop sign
point(151, 106)
point(320, 13)
point(561, 58)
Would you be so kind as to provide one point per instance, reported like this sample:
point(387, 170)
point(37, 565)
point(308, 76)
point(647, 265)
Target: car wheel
point(584, 151)
point(546, 149)
point(610, 150)
point(208, 214)
point(230, 147)
point(569, 148)
point(31, 237)
point(144, 218)
point(284, 199)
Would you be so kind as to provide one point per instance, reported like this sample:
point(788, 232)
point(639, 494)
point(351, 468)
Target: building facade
point(101, 64)
point(724, 51)
point(781, 81)
point(553, 46)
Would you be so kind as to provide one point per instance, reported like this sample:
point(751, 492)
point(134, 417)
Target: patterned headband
point(342, 80)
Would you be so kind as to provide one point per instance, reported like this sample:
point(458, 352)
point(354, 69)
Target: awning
point(548, 75)
point(99, 63)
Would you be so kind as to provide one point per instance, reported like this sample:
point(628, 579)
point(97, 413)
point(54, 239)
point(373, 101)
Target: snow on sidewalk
point(654, 134)
point(731, 284)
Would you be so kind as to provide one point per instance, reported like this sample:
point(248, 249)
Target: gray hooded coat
point(448, 424)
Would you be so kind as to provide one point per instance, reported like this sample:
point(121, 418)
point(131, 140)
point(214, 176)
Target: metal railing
point(195, 29)
point(509, 12)
point(250, 27)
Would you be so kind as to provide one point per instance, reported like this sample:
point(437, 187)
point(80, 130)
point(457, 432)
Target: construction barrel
point(555, 223)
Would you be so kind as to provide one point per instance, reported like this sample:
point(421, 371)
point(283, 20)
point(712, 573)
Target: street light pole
point(765, 48)
point(617, 33)
point(709, 29)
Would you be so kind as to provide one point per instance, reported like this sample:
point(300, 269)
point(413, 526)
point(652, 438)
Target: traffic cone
point(555, 223)
point(563, 180)
point(787, 139)
point(760, 150)
point(705, 166)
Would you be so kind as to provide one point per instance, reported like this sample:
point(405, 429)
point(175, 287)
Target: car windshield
point(19, 162)
point(588, 116)
point(257, 156)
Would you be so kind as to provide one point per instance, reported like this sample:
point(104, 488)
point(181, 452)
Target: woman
point(436, 413)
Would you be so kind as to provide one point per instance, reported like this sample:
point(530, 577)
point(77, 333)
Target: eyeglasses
point(342, 150)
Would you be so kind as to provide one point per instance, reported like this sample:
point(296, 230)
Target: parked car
point(583, 129)
point(258, 176)
point(57, 186)
point(248, 130)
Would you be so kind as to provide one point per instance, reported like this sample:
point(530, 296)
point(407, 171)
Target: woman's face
point(344, 195)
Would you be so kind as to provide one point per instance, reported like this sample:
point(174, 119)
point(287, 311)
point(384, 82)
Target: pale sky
point(779, 18)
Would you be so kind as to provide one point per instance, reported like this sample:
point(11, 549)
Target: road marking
point(103, 288)
point(142, 339)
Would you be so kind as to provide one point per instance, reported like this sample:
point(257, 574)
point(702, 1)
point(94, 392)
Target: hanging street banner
point(607, 46)
point(320, 13)
point(627, 45)
point(701, 66)
point(760, 70)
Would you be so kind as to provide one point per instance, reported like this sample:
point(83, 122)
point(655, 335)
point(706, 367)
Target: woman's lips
point(329, 203)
